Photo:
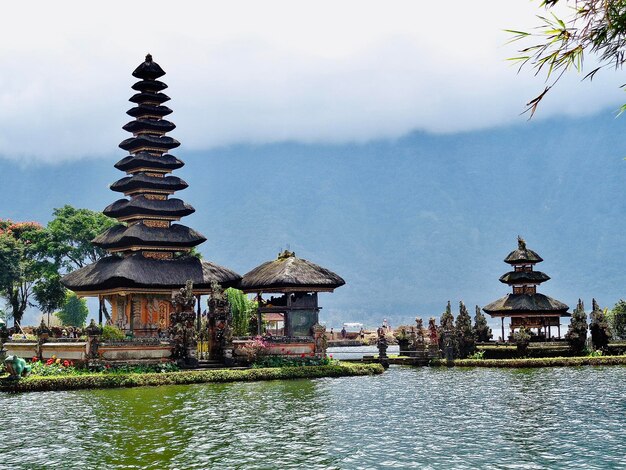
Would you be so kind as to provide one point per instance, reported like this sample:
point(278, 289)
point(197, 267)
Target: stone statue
point(182, 328)
point(93, 332)
point(382, 347)
point(17, 367)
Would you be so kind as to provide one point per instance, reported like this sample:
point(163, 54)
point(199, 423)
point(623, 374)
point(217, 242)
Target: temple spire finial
point(521, 243)
point(148, 57)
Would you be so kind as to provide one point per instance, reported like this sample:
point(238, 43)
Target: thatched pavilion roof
point(290, 273)
point(529, 304)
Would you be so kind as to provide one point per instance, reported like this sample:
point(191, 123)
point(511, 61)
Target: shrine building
point(525, 306)
point(149, 252)
point(296, 283)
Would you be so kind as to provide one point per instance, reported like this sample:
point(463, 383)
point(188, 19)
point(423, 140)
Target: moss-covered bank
point(537, 362)
point(76, 382)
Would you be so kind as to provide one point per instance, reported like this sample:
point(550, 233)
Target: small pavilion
point(525, 306)
point(149, 253)
point(296, 283)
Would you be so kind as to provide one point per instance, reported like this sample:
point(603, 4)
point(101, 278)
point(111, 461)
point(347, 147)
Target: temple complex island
point(296, 283)
point(525, 307)
point(149, 253)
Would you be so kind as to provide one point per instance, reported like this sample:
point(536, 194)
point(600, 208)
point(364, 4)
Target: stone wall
point(135, 352)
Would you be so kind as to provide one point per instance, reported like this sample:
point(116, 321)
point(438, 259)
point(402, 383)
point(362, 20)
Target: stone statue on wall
point(182, 326)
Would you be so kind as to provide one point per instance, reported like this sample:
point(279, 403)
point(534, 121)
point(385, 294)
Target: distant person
point(332, 334)
point(344, 332)
point(362, 334)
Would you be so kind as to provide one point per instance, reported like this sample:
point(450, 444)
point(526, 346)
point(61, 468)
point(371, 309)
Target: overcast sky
point(265, 71)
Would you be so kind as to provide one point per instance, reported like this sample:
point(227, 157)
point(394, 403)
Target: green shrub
point(112, 333)
point(292, 361)
point(86, 381)
point(522, 340)
point(599, 327)
point(541, 362)
point(576, 335)
point(478, 356)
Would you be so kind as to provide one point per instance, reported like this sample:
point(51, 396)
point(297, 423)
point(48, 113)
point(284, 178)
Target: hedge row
point(38, 384)
point(538, 362)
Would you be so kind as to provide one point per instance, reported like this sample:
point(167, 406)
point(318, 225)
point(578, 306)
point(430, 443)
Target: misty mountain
point(409, 223)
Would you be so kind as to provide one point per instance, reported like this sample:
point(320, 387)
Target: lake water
point(405, 418)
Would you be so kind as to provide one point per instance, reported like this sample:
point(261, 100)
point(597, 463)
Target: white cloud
point(250, 71)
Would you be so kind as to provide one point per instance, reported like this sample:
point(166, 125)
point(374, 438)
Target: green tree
point(74, 312)
point(50, 294)
point(481, 328)
point(576, 334)
point(596, 27)
point(522, 340)
point(447, 334)
point(25, 267)
point(71, 232)
point(242, 309)
point(599, 327)
point(618, 320)
point(465, 339)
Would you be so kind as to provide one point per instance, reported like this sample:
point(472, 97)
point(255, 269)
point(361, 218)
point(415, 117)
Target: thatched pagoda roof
point(290, 273)
point(149, 125)
point(522, 255)
point(524, 277)
point(526, 304)
point(149, 97)
point(138, 272)
point(141, 180)
point(148, 70)
point(149, 85)
point(165, 162)
point(149, 110)
point(177, 235)
point(140, 205)
point(161, 142)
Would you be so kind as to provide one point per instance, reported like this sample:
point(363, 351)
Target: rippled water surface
point(406, 418)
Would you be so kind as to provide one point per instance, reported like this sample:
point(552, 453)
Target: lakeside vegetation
point(117, 380)
point(529, 362)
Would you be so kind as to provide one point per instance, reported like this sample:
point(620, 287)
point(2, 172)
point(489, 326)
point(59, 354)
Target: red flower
point(66, 363)
point(34, 359)
point(49, 362)
point(302, 355)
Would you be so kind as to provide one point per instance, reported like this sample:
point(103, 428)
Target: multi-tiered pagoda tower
point(525, 307)
point(149, 252)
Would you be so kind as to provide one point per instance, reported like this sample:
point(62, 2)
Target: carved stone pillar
point(182, 327)
point(319, 337)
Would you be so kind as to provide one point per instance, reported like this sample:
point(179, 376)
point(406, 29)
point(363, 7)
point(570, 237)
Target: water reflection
point(406, 418)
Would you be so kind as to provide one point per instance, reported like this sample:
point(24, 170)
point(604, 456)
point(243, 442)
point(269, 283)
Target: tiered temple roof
point(525, 301)
point(149, 251)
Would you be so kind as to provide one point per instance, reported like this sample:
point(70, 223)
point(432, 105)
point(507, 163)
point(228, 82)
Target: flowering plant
point(252, 350)
point(52, 366)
